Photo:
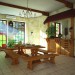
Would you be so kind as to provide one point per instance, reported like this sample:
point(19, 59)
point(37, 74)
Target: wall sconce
point(31, 32)
point(10, 26)
point(10, 23)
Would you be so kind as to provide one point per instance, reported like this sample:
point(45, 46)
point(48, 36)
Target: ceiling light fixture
point(27, 13)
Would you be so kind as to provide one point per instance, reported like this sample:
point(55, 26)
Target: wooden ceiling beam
point(60, 16)
point(25, 8)
point(67, 3)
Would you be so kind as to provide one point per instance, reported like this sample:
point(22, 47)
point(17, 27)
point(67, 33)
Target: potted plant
point(11, 43)
point(51, 31)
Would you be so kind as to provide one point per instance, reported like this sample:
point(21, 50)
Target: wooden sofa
point(38, 59)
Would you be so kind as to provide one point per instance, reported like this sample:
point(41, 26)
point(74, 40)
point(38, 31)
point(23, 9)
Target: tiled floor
point(64, 66)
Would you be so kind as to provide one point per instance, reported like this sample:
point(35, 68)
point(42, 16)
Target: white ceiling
point(43, 5)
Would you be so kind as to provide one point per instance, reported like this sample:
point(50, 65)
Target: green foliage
point(11, 43)
point(51, 30)
point(20, 43)
point(60, 35)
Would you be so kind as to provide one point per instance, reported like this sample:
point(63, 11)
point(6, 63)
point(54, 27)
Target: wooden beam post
point(72, 37)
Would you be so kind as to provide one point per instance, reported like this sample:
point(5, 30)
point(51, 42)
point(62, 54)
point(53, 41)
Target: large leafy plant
point(51, 31)
point(11, 43)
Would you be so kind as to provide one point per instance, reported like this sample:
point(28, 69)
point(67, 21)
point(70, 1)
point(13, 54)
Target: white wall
point(36, 26)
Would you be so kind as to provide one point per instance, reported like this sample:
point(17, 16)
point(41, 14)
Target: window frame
point(3, 33)
point(59, 28)
point(15, 23)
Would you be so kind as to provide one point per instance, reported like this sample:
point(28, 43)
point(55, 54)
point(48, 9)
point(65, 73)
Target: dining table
point(34, 48)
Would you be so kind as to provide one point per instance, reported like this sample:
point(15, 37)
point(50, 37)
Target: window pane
point(1, 43)
point(0, 37)
point(4, 37)
point(22, 36)
point(4, 22)
point(17, 25)
point(57, 29)
point(0, 23)
point(14, 24)
point(20, 28)
point(3, 32)
point(22, 33)
point(4, 42)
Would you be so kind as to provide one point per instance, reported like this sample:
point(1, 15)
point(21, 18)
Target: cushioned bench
point(37, 59)
point(14, 56)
